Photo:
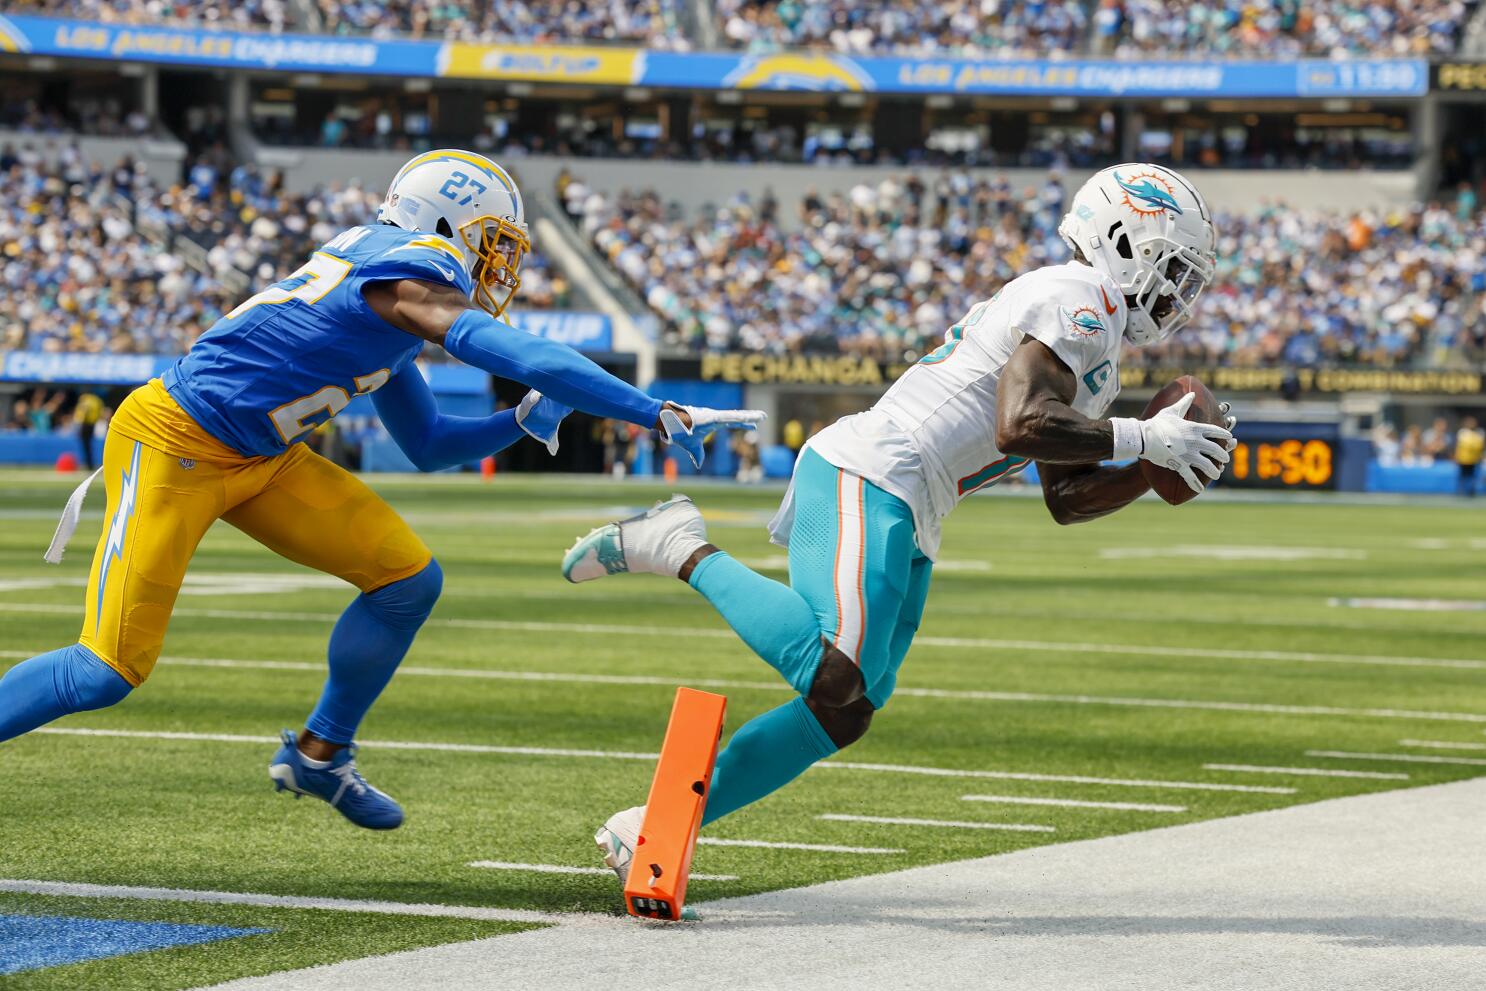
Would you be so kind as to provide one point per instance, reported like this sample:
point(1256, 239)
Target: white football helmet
point(1149, 229)
point(472, 202)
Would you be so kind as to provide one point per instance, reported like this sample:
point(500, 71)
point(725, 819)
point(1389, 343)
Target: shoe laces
point(351, 778)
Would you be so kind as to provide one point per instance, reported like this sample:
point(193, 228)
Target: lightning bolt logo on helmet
point(1153, 199)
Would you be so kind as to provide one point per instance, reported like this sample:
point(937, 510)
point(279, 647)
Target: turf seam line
point(1314, 772)
point(1013, 827)
point(1442, 744)
point(1408, 758)
point(691, 632)
point(1266, 708)
point(505, 865)
point(624, 755)
point(1073, 803)
point(811, 847)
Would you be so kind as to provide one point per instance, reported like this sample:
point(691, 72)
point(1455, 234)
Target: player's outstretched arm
point(434, 440)
point(444, 315)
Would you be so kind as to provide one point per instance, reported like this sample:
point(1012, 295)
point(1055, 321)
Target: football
point(1167, 483)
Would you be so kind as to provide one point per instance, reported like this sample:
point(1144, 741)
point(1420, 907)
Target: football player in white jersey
point(1025, 376)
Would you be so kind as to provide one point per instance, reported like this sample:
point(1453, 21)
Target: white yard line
point(458, 748)
point(1073, 803)
point(475, 748)
point(814, 847)
point(1013, 827)
point(1316, 772)
point(502, 865)
point(1266, 708)
point(692, 632)
point(1075, 779)
point(79, 890)
point(1442, 744)
point(1406, 758)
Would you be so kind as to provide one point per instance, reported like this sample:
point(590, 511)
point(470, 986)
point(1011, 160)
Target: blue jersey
point(292, 356)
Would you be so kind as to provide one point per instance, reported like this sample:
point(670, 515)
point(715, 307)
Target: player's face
point(497, 272)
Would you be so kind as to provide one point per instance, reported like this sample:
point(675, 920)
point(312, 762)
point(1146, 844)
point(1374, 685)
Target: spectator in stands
point(1470, 443)
point(1436, 440)
point(1385, 446)
point(883, 269)
point(86, 414)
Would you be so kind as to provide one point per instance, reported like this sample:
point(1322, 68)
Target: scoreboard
point(1296, 456)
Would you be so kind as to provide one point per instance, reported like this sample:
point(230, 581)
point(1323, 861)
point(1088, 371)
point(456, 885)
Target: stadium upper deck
point(971, 28)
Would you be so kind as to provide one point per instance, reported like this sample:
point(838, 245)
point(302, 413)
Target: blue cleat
point(340, 784)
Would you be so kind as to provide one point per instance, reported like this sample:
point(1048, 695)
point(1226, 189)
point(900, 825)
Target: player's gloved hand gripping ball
point(688, 426)
point(539, 417)
point(1169, 440)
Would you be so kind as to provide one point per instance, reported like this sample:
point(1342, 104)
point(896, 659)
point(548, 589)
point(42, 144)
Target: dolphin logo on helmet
point(1149, 230)
point(473, 205)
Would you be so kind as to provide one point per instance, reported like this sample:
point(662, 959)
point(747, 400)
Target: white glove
point(1170, 441)
point(703, 421)
point(539, 417)
point(1231, 422)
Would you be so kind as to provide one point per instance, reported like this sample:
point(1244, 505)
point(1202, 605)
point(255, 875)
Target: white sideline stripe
point(692, 632)
point(475, 748)
point(1073, 803)
point(1315, 772)
point(79, 890)
point(817, 847)
point(502, 865)
point(1408, 758)
point(1014, 827)
point(1077, 779)
point(944, 693)
point(1442, 744)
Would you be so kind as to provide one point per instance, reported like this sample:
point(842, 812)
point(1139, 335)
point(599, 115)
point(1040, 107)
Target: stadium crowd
point(884, 269)
point(995, 28)
point(113, 261)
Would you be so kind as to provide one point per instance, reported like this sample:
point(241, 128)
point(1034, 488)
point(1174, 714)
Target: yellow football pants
point(168, 479)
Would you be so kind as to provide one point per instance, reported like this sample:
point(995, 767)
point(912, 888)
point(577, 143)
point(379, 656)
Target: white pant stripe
point(851, 604)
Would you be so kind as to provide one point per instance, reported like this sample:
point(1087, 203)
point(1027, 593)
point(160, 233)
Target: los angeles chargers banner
point(796, 71)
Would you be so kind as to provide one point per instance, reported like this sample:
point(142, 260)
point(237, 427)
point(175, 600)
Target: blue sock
point(366, 646)
point(51, 685)
point(772, 618)
point(767, 753)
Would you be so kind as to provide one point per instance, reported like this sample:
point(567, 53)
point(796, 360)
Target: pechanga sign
point(859, 372)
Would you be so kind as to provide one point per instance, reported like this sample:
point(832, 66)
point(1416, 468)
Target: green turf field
point(1135, 650)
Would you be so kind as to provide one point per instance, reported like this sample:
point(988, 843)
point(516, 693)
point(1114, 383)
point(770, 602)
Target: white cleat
point(658, 542)
point(617, 839)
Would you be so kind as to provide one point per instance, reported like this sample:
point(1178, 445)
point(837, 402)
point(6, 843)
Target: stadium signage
point(1460, 76)
point(853, 370)
point(584, 331)
point(103, 369)
point(775, 71)
point(793, 369)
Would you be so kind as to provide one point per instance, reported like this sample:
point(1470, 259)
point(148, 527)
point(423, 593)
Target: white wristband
point(1129, 440)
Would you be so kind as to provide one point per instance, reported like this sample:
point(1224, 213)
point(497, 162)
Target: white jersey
point(931, 439)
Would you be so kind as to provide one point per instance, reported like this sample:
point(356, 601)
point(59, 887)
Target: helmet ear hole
point(1122, 242)
point(443, 228)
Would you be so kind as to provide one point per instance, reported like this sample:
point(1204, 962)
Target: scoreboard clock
point(1296, 456)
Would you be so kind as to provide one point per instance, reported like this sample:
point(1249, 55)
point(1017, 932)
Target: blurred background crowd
point(884, 269)
point(903, 27)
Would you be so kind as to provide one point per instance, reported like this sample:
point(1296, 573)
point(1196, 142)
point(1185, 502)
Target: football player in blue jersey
point(217, 436)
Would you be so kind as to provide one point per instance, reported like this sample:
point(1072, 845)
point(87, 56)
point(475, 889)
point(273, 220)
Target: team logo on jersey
point(1085, 321)
point(1148, 194)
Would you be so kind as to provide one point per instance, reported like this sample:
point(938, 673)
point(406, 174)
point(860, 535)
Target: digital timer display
point(1289, 463)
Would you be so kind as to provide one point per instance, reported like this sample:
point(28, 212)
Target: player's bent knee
point(408, 602)
point(845, 724)
point(83, 681)
point(838, 681)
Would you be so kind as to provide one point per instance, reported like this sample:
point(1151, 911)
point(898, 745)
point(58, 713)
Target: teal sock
point(772, 618)
point(767, 753)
